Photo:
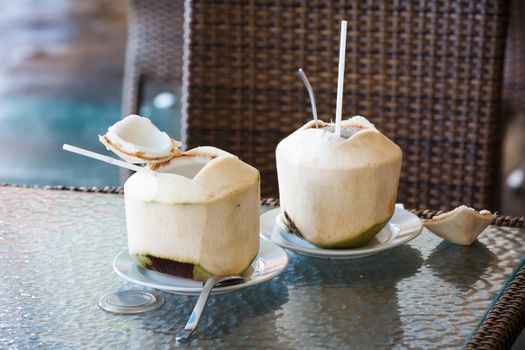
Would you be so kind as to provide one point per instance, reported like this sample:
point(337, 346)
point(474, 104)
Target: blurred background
point(60, 82)
point(61, 77)
point(61, 73)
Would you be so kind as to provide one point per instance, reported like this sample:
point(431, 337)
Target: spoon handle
point(196, 314)
point(106, 159)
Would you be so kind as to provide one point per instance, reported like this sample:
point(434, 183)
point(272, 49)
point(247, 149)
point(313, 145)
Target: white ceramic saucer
point(270, 262)
point(403, 227)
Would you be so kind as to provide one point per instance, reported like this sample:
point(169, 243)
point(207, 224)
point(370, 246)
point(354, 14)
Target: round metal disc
point(130, 301)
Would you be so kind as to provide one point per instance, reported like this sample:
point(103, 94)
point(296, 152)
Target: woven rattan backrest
point(514, 87)
point(154, 47)
point(427, 73)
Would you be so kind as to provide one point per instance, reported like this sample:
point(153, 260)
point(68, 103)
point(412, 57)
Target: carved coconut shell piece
point(136, 140)
point(461, 225)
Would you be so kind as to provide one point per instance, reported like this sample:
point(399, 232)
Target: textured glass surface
point(56, 252)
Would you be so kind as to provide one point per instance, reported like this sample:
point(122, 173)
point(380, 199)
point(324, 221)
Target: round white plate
point(402, 227)
point(270, 261)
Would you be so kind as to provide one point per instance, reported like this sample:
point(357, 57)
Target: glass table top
point(56, 253)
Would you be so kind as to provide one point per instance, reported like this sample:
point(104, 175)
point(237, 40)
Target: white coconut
point(338, 191)
point(136, 140)
point(198, 217)
point(461, 225)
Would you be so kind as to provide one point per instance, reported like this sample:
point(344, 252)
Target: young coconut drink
point(198, 215)
point(338, 191)
point(337, 181)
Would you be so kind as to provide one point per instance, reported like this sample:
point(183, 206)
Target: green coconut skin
point(177, 268)
point(358, 240)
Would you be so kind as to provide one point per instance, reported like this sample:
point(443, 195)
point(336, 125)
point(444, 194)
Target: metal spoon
point(303, 77)
point(196, 314)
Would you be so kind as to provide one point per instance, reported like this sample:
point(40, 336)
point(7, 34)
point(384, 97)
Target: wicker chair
point(428, 74)
point(514, 87)
point(154, 50)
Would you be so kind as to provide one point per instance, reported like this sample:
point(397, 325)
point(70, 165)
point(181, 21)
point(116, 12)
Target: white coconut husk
point(203, 209)
point(198, 216)
point(462, 225)
point(338, 191)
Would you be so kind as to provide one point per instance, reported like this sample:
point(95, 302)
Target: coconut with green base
point(338, 191)
point(337, 181)
point(198, 215)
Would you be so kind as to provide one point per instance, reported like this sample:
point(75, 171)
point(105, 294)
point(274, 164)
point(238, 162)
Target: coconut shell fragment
point(136, 140)
point(461, 226)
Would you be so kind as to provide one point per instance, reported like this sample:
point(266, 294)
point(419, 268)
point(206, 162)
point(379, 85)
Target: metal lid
point(130, 301)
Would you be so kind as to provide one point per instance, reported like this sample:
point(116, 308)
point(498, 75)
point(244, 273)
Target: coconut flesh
point(461, 225)
point(136, 140)
point(338, 192)
point(198, 217)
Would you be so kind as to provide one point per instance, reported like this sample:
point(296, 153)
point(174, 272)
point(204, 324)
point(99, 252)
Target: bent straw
point(106, 159)
point(340, 79)
point(303, 77)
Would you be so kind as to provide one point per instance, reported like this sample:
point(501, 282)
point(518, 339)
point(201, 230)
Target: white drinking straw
point(340, 79)
point(306, 83)
point(110, 160)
